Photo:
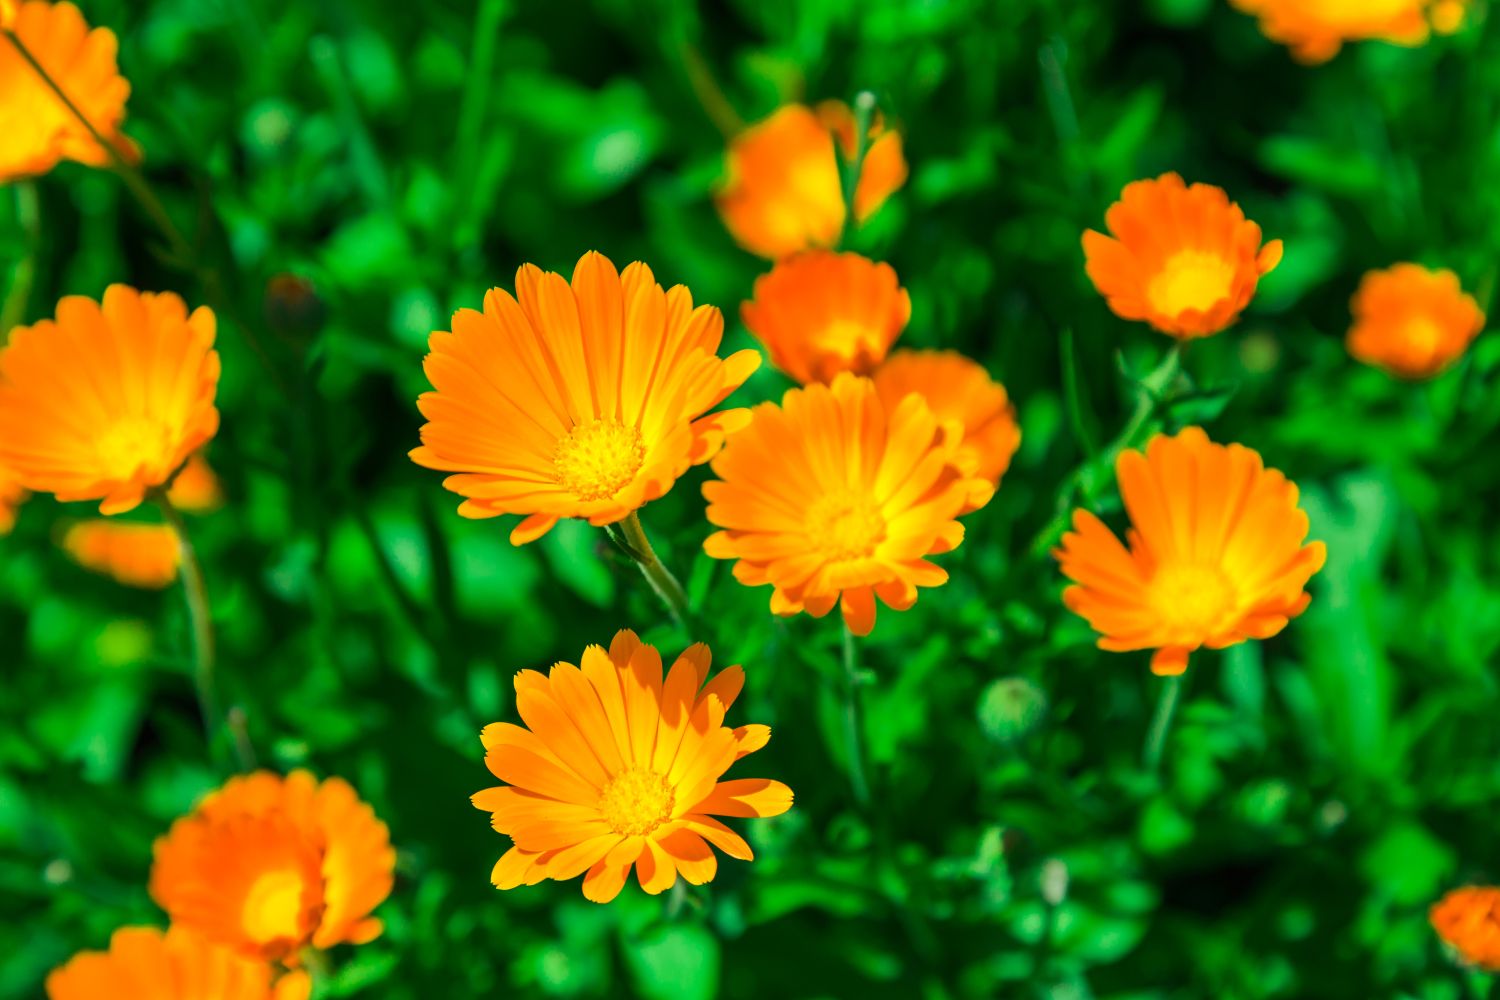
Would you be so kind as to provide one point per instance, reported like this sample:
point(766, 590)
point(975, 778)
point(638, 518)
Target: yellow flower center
point(1192, 279)
point(598, 459)
point(637, 801)
point(846, 338)
point(273, 907)
point(1192, 598)
point(845, 526)
point(1423, 335)
point(129, 444)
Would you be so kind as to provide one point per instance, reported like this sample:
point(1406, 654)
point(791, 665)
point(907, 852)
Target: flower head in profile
point(960, 390)
point(1217, 554)
point(1315, 30)
point(107, 402)
point(836, 498)
point(584, 400)
point(143, 963)
point(37, 130)
point(1468, 919)
point(12, 495)
point(271, 865)
point(617, 766)
point(1412, 322)
point(783, 192)
point(820, 313)
point(131, 553)
point(1183, 259)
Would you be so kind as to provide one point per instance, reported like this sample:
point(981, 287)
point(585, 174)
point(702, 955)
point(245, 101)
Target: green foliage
point(1318, 790)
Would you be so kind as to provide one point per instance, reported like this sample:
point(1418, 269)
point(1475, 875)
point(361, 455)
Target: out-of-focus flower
point(1469, 920)
point(196, 489)
point(820, 313)
point(957, 389)
point(617, 767)
point(272, 865)
point(1216, 555)
point(143, 963)
point(1412, 322)
point(783, 193)
point(12, 495)
point(109, 401)
point(1184, 259)
point(835, 498)
point(1315, 30)
point(131, 553)
point(37, 130)
point(580, 401)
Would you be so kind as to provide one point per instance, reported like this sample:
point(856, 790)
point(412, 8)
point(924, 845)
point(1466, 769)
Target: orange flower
point(1184, 259)
point(616, 767)
point(1315, 30)
point(584, 401)
point(133, 554)
point(1469, 920)
point(36, 129)
point(108, 402)
point(12, 495)
point(820, 313)
point(144, 963)
point(834, 497)
point(957, 389)
point(783, 192)
point(1412, 322)
point(1216, 552)
point(271, 866)
point(196, 488)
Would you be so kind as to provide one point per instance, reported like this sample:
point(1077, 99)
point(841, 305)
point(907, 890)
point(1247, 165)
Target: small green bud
point(1010, 708)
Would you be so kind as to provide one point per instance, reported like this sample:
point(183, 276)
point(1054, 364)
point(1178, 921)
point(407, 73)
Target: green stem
point(853, 166)
point(638, 547)
point(710, 95)
point(854, 741)
point(28, 214)
point(215, 723)
point(1161, 722)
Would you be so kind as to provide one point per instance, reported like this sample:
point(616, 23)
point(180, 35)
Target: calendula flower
point(960, 390)
point(617, 767)
point(1468, 919)
point(37, 130)
point(1412, 322)
point(783, 191)
point(107, 402)
point(12, 495)
point(820, 313)
point(1216, 552)
point(196, 489)
point(271, 865)
point(1184, 259)
point(1315, 30)
point(144, 963)
point(580, 401)
point(131, 553)
point(834, 497)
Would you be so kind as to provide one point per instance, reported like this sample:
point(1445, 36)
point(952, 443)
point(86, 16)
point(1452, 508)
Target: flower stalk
point(630, 535)
point(854, 729)
point(1161, 723)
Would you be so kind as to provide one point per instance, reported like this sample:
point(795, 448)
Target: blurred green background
point(1319, 791)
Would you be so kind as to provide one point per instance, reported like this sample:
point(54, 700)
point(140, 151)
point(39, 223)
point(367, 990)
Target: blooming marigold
point(1184, 259)
point(12, 495)
point(132, 554)
point(1412, 322)
point(1469, 920)
point(1315, 30)
point(144, 963)
point(36, 129)
point(783, 192)
point(820, 313)
point(616, 767)
point(834, 497)
point(272, 865)
point(957, 389)
point(1216, 552)
point(109, 401)
point(584, 401)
